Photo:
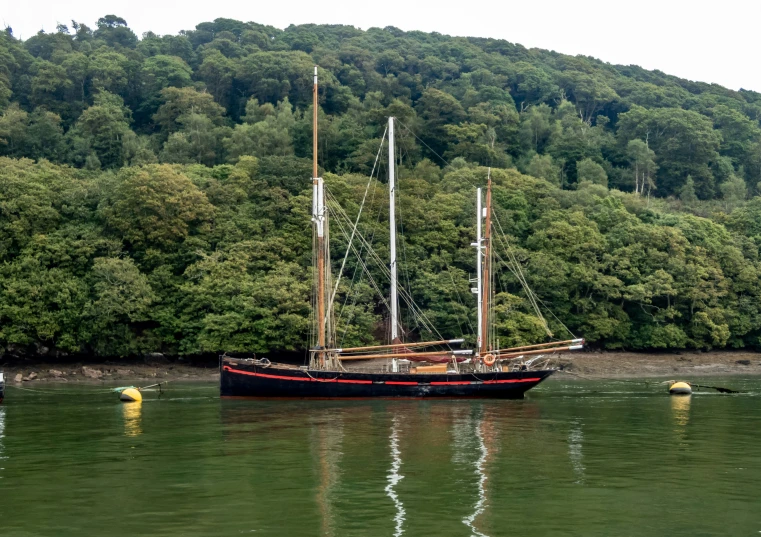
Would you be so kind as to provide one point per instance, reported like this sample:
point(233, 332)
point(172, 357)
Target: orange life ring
point(490, 359)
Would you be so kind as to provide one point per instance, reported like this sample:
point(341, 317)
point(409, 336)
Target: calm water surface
point(587, 459)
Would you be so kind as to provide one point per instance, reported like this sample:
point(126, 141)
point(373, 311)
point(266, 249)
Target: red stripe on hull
point(507, 381)
point(283, 377)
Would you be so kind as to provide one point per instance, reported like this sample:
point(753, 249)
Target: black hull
point(242, 379)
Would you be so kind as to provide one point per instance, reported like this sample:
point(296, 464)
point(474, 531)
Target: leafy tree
point(155, 204)
point(589, 170)
point(114, 31)
point(103, 127)
point(642, 163)
point(542, 166)
point(217, 72)
point(532, 85)
point(13, 131)
point(108, 70)
point(687, 193)
point(181, 102)
point(590, 91)
point(162, 71)
point(684, 143)
point(536, 127)
point(45, 135)
point(123, 297)
point(734, 191)
point(438, 109)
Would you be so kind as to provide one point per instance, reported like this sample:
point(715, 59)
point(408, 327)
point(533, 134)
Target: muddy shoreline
point(685, 364)
point(95, 373)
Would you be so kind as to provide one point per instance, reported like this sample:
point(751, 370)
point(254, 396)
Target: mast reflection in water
point(373, 467)
point(575, 440)
point(394, 477)
point(327, 432)
point(480, 505)
point(2, 437)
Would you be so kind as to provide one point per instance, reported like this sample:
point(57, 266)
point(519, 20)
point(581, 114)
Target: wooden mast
point(479, 269)
point(486, 280)
point(319, 217)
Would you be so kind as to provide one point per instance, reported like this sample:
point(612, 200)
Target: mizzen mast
point(486, 277)
point(318, 217)
point(479, 258)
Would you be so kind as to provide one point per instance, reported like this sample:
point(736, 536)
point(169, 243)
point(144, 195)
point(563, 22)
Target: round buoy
point(680, 388)
point(131, 394)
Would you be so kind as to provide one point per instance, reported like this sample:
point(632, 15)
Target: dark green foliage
point(488, 101)
point(192, 259)
point(155, 193)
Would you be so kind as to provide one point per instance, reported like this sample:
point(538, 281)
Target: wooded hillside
point(154, 192)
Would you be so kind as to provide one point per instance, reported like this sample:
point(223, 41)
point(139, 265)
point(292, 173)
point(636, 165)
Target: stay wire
point(429, 148)
point(403, 293)
point(521, 278)
point(356, 223)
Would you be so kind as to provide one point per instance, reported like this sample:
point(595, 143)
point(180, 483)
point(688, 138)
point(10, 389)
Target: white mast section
point(392, 241)
point(479, 258)
point(392, 235)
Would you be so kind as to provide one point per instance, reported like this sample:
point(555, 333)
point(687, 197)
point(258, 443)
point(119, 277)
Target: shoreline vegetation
point(154, 192)
point(576, 366)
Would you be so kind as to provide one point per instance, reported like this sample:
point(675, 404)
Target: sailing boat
point(489, 372)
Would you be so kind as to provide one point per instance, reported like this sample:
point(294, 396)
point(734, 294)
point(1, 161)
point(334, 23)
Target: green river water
point(573, 458)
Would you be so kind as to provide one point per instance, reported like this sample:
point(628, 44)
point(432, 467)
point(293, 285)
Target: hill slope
point(154, 192)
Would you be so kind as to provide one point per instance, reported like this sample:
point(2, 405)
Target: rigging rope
point(516, 269)
point(356, 222)
point(518, 272)
point(459, 300)
point(429, 148)
point(404, 294)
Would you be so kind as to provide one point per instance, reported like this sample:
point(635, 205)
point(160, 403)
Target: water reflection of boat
point(2, 432)
point(2, 387)
point(575, 442)
point(394, 477)
point(326, 442)
point(374, 467)
point(481, 428)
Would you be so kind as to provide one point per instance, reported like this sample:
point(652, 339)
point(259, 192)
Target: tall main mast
point(392, 234)
point(479, 259)
point(486, 279)
point(318, 216)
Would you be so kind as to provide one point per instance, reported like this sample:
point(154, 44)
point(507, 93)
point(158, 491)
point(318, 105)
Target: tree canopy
point(155, 193)
point(100, 97)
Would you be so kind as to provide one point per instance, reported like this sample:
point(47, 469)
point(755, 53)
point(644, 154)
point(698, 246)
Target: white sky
point(711, 42)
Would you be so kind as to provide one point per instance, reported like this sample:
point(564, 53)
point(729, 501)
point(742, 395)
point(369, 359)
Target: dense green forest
point(155, 191)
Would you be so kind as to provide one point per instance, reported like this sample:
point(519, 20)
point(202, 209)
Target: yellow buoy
point(680, 388)
point(131, 394)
